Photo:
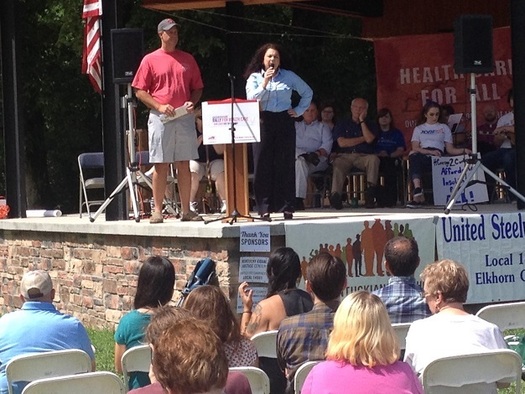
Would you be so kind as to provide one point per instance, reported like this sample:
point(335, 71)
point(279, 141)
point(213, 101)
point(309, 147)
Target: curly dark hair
point(256, 63)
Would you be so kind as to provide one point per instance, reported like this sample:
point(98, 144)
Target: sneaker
point(223, 206)
point(413, 204)
point(335, 201)
point(156, 217)
point(194, 206)
point(418, 192)
point(191, 217)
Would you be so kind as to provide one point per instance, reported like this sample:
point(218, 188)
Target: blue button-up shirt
point(403, 300)
point(277, 97)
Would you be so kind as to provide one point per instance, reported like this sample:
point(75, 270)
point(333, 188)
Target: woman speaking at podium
point(274, 156)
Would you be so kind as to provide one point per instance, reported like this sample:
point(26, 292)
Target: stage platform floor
point(173, 227)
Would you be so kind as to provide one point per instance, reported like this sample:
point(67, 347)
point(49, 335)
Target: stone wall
point(95, 275)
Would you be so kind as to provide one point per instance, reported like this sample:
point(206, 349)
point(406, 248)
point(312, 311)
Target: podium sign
point(216, 121)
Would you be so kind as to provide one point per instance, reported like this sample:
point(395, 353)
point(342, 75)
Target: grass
point(104, 345)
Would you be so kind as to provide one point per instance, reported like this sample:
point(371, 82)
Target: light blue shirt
point(36, 328)
point(277, 97)
point(312, 137)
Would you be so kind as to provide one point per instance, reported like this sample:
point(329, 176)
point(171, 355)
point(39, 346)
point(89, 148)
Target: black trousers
point(274, 164)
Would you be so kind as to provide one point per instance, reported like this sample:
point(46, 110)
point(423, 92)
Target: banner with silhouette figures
point(360, 242)
point(413, 69)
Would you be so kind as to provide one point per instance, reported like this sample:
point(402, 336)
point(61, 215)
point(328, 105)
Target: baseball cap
point(166, 24)
point(36, 284)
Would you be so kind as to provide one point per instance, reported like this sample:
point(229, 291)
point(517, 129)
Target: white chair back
point(454, 374)
point(301, 374)
point(135, 359)
point(86, 383)
point(259, 381)
point(401, 330)
point(29, 367)
point(266, 343)
point(505, 316)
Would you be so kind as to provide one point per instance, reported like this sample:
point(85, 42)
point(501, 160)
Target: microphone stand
point(235, 214)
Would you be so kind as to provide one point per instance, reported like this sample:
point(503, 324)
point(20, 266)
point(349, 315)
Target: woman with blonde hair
point(363, 353)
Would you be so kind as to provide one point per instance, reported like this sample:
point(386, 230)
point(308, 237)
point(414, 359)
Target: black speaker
point(127, 49)
point(473, 51)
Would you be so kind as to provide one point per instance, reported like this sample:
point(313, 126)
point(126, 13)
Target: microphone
point(272, 65)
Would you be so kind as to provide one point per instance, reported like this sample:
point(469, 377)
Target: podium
point(233, 122)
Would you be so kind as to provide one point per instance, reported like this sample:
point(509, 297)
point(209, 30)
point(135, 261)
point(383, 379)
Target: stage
point(95, 265)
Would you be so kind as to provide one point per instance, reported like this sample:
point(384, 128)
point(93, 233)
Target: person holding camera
point(312, 149)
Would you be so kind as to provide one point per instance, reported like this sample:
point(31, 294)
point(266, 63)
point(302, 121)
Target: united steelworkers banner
point(490, 246)
point(359, 242)
point(413, 69)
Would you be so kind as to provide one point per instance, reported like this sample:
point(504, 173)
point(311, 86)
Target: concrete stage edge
point(94, 266)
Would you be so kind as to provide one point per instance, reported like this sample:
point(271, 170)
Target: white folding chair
point(463, 374)
point(266, 343)
point(401, 330)
point(29, 367)
point(505, 316)
point(86, 383)
point(301, 374)
point(91, 162)
point(259, 381)
point(135, 359)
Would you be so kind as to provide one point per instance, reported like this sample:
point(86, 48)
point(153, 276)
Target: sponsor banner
point(360, 242)
point(490, 246)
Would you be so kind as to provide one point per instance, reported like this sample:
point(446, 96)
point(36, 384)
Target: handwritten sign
point(255, 239)
point(446, 172)
point(253, 269)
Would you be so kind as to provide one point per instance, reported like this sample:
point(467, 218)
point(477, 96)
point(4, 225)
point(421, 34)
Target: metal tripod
point(473, 162)
point(133, 169)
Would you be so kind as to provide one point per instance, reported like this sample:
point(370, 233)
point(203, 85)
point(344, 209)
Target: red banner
point(413, 69)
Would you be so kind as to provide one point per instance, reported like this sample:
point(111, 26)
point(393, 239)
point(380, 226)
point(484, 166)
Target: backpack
point(203, 274)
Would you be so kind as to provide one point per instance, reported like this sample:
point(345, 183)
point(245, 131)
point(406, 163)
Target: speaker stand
point(474, 162)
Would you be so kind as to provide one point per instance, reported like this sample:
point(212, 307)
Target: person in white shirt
point(450, 331)
point(312, 149)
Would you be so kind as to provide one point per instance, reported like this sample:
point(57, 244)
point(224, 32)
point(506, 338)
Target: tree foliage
point(62, 113)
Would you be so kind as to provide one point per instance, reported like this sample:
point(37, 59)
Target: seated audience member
point(402, 296)
point(355, 138)
point(210, 304)
point(163, 318)
point(327, 116)
point(363, 353)
point(188, 358)
point(505, 155)
point(312, 149)
point(486, 130)
point(38, 327)
point(450, 331)
point(282, 300)
point(304, 337)
point(430, 138)
point(154, 288)
point(390, 148)
point(210, 159)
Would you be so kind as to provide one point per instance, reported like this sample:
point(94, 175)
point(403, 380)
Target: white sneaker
point(223, 206)
point(193, 206)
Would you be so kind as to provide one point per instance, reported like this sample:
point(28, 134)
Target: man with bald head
point(356, 139)
point(486, 130)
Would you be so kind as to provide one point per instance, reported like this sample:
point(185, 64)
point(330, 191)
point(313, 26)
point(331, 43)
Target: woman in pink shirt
point(363, 353)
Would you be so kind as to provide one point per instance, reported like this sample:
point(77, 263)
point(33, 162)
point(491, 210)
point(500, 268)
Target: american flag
point(92, 54)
